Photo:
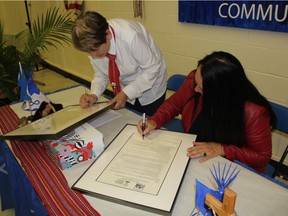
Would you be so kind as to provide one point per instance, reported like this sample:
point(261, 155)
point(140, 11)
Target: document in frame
point(57, 124)
point(145, 173)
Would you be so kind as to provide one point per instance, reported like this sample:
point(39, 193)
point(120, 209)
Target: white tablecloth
point(255, 194)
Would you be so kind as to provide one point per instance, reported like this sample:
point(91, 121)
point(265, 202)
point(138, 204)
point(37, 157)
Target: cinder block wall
point(263, 53)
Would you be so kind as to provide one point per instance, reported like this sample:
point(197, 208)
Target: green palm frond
point(20, 40)
point(48, 30)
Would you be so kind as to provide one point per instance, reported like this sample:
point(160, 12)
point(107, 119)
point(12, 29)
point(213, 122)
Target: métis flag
point(30, 94)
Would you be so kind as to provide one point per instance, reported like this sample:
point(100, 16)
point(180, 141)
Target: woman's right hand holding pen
point(87, 100)
point(150, 125)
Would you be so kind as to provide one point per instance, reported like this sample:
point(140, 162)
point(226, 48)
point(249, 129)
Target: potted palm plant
point(48, 30)
point(9, 59)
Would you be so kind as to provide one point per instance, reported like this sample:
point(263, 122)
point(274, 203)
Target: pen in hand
point(143, 125)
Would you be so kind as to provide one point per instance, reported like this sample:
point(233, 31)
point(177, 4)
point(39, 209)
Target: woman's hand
point(206, 150)
point(87, 100)
point(149, 126)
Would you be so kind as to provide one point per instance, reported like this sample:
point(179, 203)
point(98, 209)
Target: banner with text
point(262, 15)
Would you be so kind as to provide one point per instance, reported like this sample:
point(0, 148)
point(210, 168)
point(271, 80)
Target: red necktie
point(113, 73)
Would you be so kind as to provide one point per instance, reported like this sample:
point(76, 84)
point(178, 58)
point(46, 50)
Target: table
point(255, 195)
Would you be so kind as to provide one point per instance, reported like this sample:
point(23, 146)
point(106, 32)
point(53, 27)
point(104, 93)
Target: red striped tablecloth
point(44, 174)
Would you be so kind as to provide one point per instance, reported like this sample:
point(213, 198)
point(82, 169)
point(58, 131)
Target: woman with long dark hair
point(224, 109)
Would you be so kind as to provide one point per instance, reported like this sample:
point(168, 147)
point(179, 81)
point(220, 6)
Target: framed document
point(143, 173)
point(57, 124)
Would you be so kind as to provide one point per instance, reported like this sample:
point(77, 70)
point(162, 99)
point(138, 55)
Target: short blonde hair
point(89, 31)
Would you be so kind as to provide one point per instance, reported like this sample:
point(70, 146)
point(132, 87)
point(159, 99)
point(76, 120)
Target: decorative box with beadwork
point(81, 144)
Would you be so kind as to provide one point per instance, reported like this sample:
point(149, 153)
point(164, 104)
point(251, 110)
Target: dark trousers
point(149, 109)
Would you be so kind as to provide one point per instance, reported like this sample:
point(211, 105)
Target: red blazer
point(257, 150)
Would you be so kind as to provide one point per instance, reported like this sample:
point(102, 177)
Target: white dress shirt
point(140, 62)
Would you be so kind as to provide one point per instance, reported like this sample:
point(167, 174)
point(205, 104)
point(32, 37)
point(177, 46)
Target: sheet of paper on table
point(105, 118)
point(143, 173)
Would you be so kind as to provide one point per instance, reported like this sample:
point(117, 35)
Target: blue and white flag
point(30, 94)
point(22, 83)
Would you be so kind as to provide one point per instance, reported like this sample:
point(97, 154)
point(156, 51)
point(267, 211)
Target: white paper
point(160, 189)
point(105, 118)
point(141, 165)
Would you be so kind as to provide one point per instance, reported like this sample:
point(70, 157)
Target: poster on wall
point(261, 15)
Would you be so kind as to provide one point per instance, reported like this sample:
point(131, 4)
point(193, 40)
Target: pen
point(143, 125)
point(98, 102)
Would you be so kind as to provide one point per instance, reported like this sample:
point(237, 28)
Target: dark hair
point(225, 91)
point(89, 31)
point(38, 113)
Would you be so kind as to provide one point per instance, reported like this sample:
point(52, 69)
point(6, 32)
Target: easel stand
point(222, 209)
